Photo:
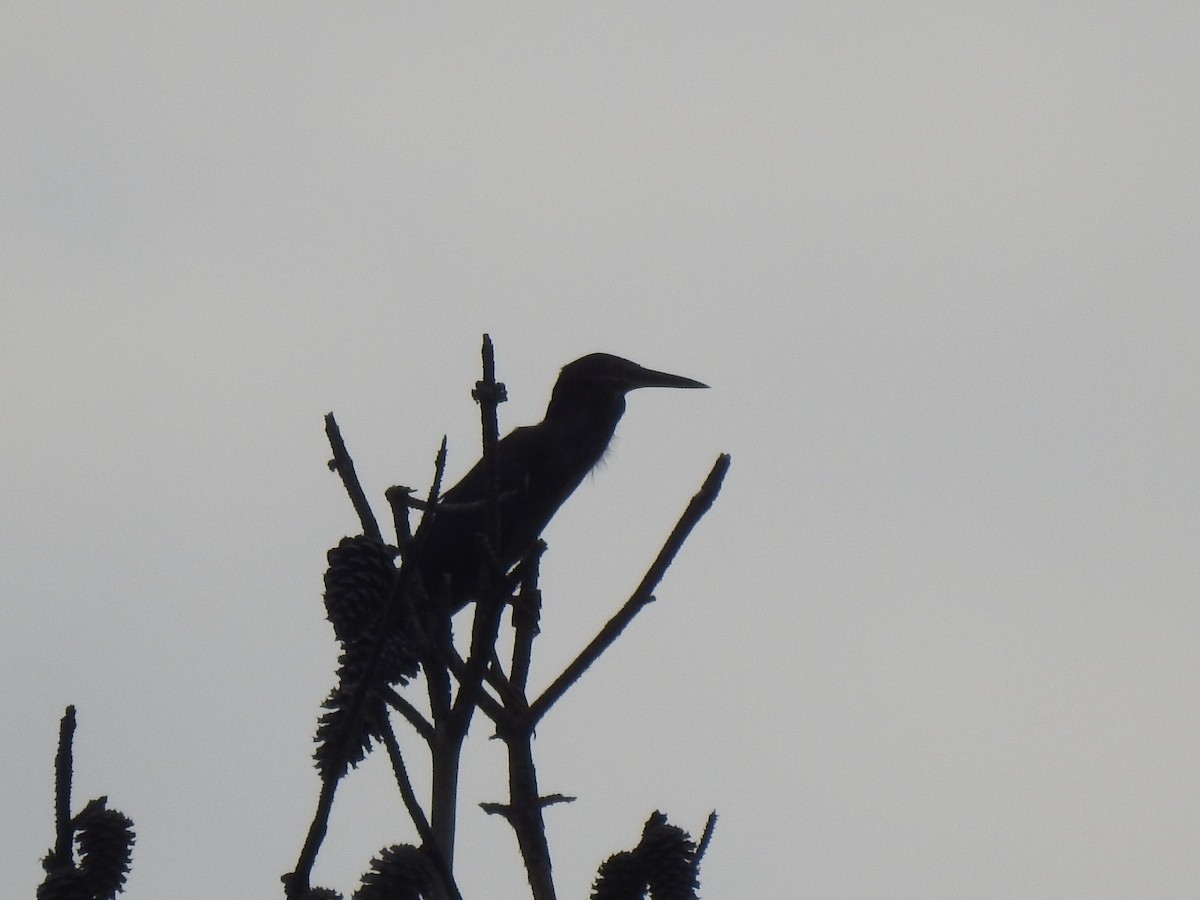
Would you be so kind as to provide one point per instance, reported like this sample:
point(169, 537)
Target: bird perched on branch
point(539, 467)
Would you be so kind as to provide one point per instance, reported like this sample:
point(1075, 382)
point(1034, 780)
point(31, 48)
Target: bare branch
point(489, 393)
point(490, 706)
point(344, 466)
point(451, 726)
point(699, 505)
point(411, 714)
point(417, 814)
point(63, 768)
point(526, 615)
point(400, 500)
point(705, 840)
point(503, 809)
point(524, 813)
point(296, 882)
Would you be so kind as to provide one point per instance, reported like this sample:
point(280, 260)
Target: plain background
point(939, 263)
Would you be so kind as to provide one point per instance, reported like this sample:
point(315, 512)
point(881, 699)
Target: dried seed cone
point(399, 872)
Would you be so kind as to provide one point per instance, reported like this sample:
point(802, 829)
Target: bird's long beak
point(643, 377)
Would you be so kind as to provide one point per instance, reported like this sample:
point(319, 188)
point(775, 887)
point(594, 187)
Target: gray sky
point(939, 263)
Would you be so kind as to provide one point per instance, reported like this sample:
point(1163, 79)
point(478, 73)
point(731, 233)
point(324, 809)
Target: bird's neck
point(585, 421)
point(588, 406)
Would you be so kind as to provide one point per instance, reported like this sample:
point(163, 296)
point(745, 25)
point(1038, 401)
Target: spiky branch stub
point(93, 850)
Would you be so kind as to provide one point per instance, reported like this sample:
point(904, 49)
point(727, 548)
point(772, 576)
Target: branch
point(296, 882)
point(486, 702)
point(63, 765)
point(505, 810)
point(417, 814)
point(396, 701)
point(400, 500)
point(344, 466)
point(451, 724)
point(526, 614)
point(524, 813)
point(705, 840)
point(437, 682)
point(699, 505)
point(489, 393)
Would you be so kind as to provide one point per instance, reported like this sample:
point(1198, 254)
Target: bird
point(540, 466)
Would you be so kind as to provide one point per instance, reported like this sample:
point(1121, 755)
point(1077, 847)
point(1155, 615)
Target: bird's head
point(602, 376)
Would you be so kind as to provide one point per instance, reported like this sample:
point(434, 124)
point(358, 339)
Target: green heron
point(539, 467)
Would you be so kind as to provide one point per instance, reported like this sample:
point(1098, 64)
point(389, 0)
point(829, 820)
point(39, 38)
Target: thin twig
point(492, 674)
point(461, 506)
point(396, 701)
point(505, 811)
point(445, 747)
point(642, 596)
point(296, 882)
point(457, 667)
point(495, 677)
point(436, 678)
point(344, 466)
point(705, 840)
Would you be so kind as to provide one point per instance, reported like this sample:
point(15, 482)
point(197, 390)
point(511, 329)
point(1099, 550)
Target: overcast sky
point(939, 263)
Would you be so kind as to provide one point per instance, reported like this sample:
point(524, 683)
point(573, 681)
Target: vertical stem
point(444, 749)
point(453, 721)
point(63, 766)
point(527, 613)
point(525, 815)
point(447, 754)
point(448, 888)
point(490, 393)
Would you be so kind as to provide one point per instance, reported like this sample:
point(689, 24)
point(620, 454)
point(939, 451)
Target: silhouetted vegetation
point(93, 848)
point(404, 681)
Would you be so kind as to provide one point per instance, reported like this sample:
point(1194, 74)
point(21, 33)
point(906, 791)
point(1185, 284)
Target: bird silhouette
point(539, 466)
